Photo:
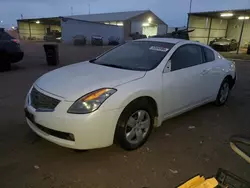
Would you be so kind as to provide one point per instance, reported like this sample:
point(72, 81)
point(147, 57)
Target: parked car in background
point(121, 95)
point(97, 40)
point(137, 35)
point(224, 44)
point(248, 48)
point(53, 36)
point(10, 51)
point(113, 40)
point(79, 40)
point(179, 34)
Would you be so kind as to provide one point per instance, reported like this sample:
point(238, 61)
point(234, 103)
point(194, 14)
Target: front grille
point(42, 102)
point(219, 47)
point(59, 134)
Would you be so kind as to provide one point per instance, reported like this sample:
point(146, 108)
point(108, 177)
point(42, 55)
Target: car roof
point(168, 40)
point(175, 41)
point(223, 39)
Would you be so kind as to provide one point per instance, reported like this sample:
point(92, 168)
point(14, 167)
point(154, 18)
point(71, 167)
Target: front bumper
point(232, 85)
point(77, 131)
point(16, 57)
point(221, 48)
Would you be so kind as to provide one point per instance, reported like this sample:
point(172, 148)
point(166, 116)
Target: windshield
point(136, 55)
point(222, 40)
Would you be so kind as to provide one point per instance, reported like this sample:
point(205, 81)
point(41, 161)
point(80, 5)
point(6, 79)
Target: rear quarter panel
point(226, 67)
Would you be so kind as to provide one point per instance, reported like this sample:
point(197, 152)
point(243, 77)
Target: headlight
point(27, 99)
point(91, 101)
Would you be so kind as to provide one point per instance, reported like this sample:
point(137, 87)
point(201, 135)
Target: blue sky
point(173, 12)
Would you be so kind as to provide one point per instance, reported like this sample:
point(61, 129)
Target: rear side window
point(5, 36)
point(209, 55)
point(186, 56)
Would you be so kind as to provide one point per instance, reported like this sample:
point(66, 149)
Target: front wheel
point(223, 93)
point(134, 125)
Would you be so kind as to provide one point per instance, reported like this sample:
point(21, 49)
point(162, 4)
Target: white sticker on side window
point(158, 48)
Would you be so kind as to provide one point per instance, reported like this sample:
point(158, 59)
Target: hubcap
point(137, 126)
point(224, 92)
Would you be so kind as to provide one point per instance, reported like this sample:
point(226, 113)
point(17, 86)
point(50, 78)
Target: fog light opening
point(71, 137)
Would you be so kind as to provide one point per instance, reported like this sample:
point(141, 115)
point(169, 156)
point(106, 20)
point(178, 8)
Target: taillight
point(15, 40)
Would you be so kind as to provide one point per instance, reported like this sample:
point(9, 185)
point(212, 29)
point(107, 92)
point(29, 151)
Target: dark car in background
point(224, 44)
point(179, 34)
point(97, 40)
point(53, 36)
point(10, 51)
point(137, 35)
point(79, 40)
point(113, 40)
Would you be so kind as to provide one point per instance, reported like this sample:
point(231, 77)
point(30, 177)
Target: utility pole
point(190, 6)
point(89, 7)
point(71, 10)
point(190, 9)
point(241, 32)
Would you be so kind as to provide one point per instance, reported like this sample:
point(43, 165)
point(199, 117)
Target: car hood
point(73, 81)
point(221, 43)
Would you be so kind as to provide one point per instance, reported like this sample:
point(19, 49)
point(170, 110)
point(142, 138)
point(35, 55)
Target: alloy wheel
point(224, 92)
point(137, 126)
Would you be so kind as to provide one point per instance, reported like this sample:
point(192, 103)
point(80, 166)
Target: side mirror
point(168, 66)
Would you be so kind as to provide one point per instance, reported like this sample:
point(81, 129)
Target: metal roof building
point(231, 24)
point(118, 24)
point(114, 16)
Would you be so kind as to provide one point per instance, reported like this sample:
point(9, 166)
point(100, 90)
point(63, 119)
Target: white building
point(118, 24)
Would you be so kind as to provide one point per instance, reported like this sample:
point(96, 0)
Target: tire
point(135, 125)
point(223, 93)
point(5, 64)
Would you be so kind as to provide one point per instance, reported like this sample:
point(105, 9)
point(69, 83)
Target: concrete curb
point(240, 59)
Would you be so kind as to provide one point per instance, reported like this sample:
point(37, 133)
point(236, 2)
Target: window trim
point(204, 55)
point(132, 42)
point(192, 44)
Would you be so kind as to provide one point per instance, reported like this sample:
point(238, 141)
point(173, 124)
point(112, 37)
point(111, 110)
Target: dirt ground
point(174, 153)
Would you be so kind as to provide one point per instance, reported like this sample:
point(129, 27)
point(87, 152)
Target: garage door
point(201, 27)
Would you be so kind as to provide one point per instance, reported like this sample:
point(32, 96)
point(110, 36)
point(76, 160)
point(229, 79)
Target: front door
point(183, 84)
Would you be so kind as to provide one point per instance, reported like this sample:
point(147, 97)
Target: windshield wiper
point(92, 60)
point(115, 66)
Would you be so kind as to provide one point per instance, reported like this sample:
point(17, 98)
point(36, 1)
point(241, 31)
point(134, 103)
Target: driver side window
point(186, 56)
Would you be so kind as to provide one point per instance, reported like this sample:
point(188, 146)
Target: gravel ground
point(174, 153)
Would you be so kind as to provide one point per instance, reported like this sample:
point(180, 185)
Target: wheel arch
point(152, 101)
point(132, 104)
point(231, 80)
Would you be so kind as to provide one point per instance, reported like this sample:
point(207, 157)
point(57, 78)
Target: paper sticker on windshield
point(158, 48)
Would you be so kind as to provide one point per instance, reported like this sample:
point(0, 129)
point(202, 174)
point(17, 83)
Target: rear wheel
point(223, 93)
point(134, 125)
point(5, 63)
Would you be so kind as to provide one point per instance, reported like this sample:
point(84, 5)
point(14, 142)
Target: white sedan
point(121, 95)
